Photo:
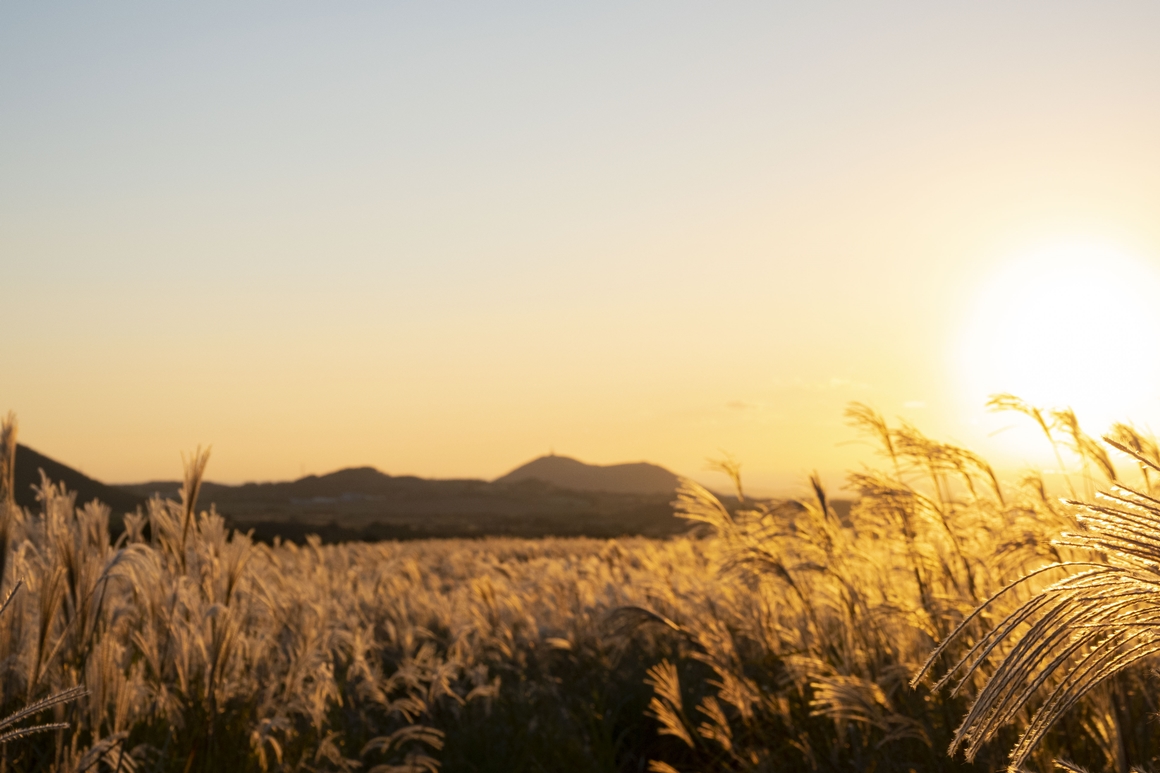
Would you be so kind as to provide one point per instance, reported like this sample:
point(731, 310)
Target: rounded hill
point(568, 473)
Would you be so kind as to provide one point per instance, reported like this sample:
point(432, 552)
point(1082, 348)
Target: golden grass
point(783, 635)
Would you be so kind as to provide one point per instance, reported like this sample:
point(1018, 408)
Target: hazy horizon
point(444, 239)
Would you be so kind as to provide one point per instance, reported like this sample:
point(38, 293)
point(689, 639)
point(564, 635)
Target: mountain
point(29, 463)
point(549, 496)
point(567, 473)
point(364, 503)
point(359, 482)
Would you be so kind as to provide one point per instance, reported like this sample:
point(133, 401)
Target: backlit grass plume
point(10, 731)
point(8, 460)
point(1073, 635)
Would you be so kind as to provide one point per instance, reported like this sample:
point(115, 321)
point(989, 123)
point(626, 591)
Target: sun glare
point(1072, 325)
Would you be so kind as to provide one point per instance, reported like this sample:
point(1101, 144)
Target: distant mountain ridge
point(568, 473)
point(550, 496)
point(562, 472)
point(350, 480)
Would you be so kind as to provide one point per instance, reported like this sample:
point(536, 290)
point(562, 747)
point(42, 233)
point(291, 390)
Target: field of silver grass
point(778, 636)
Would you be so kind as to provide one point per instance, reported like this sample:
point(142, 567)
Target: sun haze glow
point(1068, 325)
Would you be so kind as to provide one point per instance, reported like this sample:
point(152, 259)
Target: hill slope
point(30, 462)
point(568, 473)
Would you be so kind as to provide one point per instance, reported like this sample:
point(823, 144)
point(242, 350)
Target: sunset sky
point(443, 239)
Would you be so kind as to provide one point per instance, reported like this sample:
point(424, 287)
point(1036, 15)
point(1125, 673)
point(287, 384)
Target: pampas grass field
point(952, 621)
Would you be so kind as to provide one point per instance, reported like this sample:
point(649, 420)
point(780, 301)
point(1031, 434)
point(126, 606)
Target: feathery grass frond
point(866, 419)
point(1143, 448)
point(195, 465)
point(8, 429)
point(1009, 402)
point(667, 706)
point(44, 703)
point(25, 732)
point(1074, 633)
point(729, 465)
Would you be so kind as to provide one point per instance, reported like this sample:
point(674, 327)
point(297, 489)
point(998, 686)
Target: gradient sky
point(443, 239)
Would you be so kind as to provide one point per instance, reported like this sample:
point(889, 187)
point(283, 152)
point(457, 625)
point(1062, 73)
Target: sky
point(442, 239)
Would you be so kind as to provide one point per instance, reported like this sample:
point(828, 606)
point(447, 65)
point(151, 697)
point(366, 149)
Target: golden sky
point(443, 239)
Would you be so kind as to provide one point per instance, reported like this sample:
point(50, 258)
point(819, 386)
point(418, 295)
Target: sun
point(1068, 325)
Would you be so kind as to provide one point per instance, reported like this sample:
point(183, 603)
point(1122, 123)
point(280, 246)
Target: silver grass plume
point(1072, 635)
point(8, 460)
point(9, 733)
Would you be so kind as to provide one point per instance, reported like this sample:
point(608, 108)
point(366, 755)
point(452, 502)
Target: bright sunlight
point(1018, 341)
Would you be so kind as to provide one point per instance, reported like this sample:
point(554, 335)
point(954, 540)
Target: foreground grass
point(775, 638)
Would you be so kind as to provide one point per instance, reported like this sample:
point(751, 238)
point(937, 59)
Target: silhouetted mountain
point(568, 473)
point(550, 496)
point(28, 466)
point(363, 502)
point(358, 481)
